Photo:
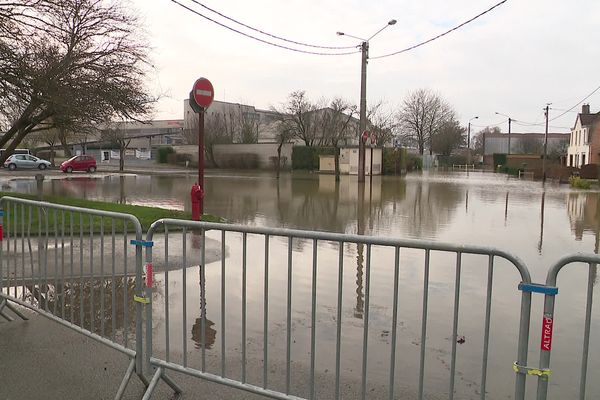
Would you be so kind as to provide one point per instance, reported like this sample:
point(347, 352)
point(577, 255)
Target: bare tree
point(49, 137)
point(73, 61)
point(449, 137)
point(248, 125)
point(530, 145)
point(115, 135)
point(558, 150)
point(283, 136)
point(421, 116)
point(299, 116)
point(335, 127)
point(478, 139)
point(381, 121)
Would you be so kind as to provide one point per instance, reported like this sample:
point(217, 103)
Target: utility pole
point(509, 121)
point(469, 144)
point(469, 140)
point(364, 48)
point(545, 144)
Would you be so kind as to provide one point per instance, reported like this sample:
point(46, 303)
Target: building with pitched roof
point(584, 143)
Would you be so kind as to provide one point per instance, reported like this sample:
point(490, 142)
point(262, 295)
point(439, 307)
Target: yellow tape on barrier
point(143, 300)
point(531, 371)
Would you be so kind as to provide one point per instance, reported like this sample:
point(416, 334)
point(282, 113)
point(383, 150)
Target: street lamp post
point(546, 111)
point(509, 122)
point(364, 49)
point(469, 141)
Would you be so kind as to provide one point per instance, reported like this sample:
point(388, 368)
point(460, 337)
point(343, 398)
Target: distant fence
point(280, 324)
point(526, 175)
point(465, 167)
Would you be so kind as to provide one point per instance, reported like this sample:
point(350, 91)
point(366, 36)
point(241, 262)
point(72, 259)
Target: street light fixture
point(469, 140)
point(509, 121)
point(364, 49)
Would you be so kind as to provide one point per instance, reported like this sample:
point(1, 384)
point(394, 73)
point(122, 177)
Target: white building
point(233, 116)
point(584, 143)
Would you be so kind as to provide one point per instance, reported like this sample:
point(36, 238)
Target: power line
point(441, 34)
point(562, 109)
point(540, 124)
point(269, 34)
point(522, 123)
point(259, 39)
point(488, 125)
point(581, 101)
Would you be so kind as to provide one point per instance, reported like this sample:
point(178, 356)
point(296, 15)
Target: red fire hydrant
point(197, 196)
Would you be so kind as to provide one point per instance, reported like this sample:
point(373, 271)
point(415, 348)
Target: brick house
point(584, 143)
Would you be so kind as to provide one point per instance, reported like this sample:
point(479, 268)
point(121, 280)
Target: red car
point(79, 163)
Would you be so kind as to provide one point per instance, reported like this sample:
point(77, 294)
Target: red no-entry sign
point(203, 92)
point(365, 136)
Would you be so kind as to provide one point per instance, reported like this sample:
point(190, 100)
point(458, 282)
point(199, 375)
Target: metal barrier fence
point(276, 291)
point(269, 265)
point(75, 266)
point(551, 290)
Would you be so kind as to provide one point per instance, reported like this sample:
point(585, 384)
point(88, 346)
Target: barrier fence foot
point(171, 383)
point(143, 378)
point(160, 373)
point(152, 385)
point(125, 380)
point(6, 304)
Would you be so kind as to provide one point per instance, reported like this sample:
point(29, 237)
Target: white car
point(25, 161)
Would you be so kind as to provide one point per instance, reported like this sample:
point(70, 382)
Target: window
point(20, 157)
point(583, 159)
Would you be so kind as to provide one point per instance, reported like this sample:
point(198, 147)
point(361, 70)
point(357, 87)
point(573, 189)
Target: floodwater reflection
point(538, 223)
point(101, 306)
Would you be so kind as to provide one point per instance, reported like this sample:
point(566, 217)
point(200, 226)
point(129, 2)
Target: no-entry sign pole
point(201, 97)
point(201, 154)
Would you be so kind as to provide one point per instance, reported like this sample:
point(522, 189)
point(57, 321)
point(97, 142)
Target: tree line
point(424, 120)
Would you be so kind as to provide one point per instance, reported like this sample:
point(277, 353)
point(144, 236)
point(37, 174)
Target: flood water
point(535, 222)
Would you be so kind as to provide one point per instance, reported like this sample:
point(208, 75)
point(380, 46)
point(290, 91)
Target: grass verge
point(35, 219)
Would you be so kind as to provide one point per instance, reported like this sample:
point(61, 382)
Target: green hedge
point(509, 170)
point(449, 161)
point(578, 183)
point(307, 157)
point(499, 159)
point(398, 161)
point(394, 161)
point(414, 162)
point(163, 154)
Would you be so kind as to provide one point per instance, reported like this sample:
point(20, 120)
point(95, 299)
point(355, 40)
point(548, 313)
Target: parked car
point(25, 161)
point(79, 163)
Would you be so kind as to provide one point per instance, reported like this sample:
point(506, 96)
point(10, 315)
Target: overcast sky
point(513, 60)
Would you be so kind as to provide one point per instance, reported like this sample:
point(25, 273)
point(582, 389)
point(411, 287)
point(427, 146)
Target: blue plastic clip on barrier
point(142, 243)
point(538, 288)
